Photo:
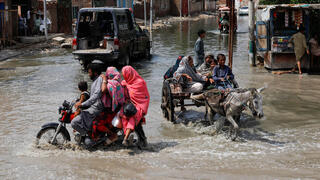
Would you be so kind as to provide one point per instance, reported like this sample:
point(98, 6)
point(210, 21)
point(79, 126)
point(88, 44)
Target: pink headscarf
point(137, 88)
point(115, 89)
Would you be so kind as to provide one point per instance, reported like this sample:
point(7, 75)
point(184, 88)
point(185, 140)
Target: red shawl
point(137, 88)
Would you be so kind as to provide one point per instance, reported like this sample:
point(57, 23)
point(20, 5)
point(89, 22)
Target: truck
point(110, 35)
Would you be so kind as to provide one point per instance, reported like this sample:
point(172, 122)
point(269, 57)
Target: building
point(160, 8)
point(8, 22)
point(78, 4)
point(189, 7)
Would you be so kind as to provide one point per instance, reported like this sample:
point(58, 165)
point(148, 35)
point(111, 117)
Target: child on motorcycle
point(83, 87)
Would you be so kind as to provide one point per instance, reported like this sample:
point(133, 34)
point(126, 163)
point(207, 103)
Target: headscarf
point(137, 88)
point(176, 65)
point(115, 89)
point(185, 68)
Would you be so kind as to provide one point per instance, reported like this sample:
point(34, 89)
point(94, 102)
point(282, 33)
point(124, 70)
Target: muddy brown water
point(283, 145)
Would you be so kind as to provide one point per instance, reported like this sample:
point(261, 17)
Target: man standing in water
point(93, 106)
point(300, 46)
point(199, 47)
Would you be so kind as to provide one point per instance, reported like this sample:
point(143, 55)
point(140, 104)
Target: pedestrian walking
point(300, 47)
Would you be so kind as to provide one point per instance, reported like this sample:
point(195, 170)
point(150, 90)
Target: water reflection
point(31, 89)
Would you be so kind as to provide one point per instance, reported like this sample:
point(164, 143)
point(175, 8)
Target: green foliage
point(268, 2)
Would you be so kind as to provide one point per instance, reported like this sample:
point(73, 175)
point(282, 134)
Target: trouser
point(76, 124)
point(195, 87)
point(140, 132)
point(224, 86)
point(199, 62)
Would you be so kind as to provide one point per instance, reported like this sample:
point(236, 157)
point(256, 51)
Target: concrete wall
point(210, 5)
point(196, 6)
point(81, 3)
point(160, 8)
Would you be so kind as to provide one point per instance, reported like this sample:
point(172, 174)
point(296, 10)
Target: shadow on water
point(153, 147)
point(259, 134)
point(7, 69)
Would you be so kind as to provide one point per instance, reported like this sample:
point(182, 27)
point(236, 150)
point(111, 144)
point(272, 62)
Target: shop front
point(275, 26)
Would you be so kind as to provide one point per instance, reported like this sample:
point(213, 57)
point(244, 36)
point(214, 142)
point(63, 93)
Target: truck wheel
point(131, 54)
point(147, 54)
point(85, 63)
point(125, 60)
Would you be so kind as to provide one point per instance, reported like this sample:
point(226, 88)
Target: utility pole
point(45, 18)
point(231, 32)
point(180, 8)
point(151, 14)
point(188, 8)
point(145, 13)
point(252, 45)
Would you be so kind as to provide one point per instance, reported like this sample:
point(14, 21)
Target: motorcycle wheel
point(45, 135)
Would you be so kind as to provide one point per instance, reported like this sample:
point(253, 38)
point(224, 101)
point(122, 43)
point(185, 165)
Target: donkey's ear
point(261, 89)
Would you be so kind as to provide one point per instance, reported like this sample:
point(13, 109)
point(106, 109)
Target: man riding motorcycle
point(224, 23)
point(93, 106)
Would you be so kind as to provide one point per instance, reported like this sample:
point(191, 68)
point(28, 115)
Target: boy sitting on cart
point(222, 74)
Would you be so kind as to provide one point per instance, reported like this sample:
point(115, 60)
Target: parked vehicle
point(109, 35)
point(243, 11)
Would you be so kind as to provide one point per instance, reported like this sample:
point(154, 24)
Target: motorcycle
point(224, 26)
point(57, 133)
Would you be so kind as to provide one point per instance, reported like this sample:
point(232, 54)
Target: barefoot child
point(83, 87)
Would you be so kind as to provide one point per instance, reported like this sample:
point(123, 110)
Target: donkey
point(231, 105)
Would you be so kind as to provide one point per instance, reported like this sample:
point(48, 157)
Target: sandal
point(129, 141)
point(110, 141)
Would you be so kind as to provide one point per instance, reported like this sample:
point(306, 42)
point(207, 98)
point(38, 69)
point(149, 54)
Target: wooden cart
point(173, 95)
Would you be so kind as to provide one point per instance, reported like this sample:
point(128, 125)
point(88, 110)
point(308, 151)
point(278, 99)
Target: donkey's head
point(255, 103)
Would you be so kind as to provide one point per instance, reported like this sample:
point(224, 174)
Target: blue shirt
point(219, 72)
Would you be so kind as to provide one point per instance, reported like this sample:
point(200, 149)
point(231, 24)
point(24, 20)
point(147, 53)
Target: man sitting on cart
point(222, 74)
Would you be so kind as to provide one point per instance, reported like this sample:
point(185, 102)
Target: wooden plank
point(262, 30)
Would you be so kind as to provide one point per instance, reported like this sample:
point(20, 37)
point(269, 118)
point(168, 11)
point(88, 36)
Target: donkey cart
point(229, 104)
point(173, 95)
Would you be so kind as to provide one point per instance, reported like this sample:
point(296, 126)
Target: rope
point(238, 100)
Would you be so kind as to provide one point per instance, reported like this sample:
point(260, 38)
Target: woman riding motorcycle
point(136, 93)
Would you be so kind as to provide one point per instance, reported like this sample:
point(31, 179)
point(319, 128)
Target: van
point(110, 35)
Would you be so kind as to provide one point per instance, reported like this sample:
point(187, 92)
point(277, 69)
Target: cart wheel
point(164, 101)
point(168, 101)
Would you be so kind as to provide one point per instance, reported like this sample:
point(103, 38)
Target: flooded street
point(283, 145)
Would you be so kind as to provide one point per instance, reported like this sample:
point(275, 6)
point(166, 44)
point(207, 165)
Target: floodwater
point(283, 145)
